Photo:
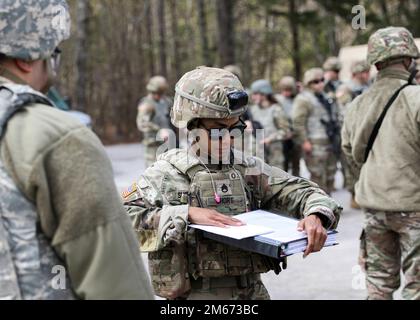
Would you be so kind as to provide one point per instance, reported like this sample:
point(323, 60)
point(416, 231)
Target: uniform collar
point(393, 73)
point(236, 157)
point(8, 76)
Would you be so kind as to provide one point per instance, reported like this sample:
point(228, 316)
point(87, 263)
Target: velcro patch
point(129, 191)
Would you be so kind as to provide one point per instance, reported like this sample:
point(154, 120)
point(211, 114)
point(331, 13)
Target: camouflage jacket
point(308, 115)
point(274, 121)
point(159, 202)
point(152, 116)
point(389, 180)
point(51, 163)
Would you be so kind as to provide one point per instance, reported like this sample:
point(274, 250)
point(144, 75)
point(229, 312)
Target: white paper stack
point(266, 233)
point(285, 235)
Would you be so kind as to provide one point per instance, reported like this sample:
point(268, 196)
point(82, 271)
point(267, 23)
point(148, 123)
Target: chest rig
point(225, 190)
point(27, 259)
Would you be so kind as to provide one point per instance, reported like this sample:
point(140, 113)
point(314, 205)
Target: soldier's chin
point(224, 153)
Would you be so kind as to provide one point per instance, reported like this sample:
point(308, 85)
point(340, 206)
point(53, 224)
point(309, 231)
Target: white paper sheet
point(285, 228)
point(240, 232)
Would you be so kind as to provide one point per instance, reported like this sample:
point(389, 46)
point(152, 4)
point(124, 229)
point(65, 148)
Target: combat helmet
point(234, 69)
point(332, 64)
point(312, 74)
point(262, 86)
point(288, 83)
point(359, 67)
point(207, 93)
point(391, 42)
point(157, 84)
point(32, 29)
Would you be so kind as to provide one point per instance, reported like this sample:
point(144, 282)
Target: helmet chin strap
point(217, 197)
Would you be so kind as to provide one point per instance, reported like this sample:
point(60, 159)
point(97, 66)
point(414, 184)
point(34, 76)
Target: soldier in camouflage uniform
point(50, 165)
point(359, 83)
point(292, 152)
point(316, 126)
point(388, 187)
point(270, 114)
point(153, 119)
point(235, 70)
point(208, 184)
point(332, 67)
point(344, 97)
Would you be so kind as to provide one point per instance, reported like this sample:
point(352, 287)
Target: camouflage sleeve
point(282, 124)
point(347, 149)
point(296, 196)
point(158, 206)
point(300, 114)
point(144, 118)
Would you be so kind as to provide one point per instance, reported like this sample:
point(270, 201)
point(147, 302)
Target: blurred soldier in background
point(273, 119)
point(344, 97)
point(235, 70)
point(153, 119)
point(292, 152)
point(332, 67)
point(249, 142)
point(359, 83)
point(316, 126)
point(188, 186)
point(60, 214)
point(381, 142)
point(360, 79)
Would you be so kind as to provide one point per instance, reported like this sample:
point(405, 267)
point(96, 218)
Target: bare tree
point(202, 21)
point(82, 49)
point(294, 29)
point(226, 23)
point(175, 41)
point(162, 37)
point(149, 36)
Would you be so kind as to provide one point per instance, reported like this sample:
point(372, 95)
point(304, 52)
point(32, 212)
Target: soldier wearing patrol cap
point(50, 166)
point(380, 141)
point(316, 127)
point(153, 119)
point(208, 184)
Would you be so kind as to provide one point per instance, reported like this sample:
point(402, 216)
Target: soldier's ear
point(24, 66)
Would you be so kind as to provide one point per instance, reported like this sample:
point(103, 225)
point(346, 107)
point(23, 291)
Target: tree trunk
point(385, 13)
point(175, 41)
point(149, 37)
point(162, 38)
point(225, 21)
point(202, 21)
point(82, 49)
point(332, 35)
point(294, 29)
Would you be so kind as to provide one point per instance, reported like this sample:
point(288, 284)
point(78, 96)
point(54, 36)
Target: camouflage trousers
point(322, 165)
point(274, 154)
point(229, 288)
point(390, 243)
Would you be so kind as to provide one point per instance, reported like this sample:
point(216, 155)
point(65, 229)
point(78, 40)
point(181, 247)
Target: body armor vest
point(28, 263)
point(208, 258)
point(198, 256)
